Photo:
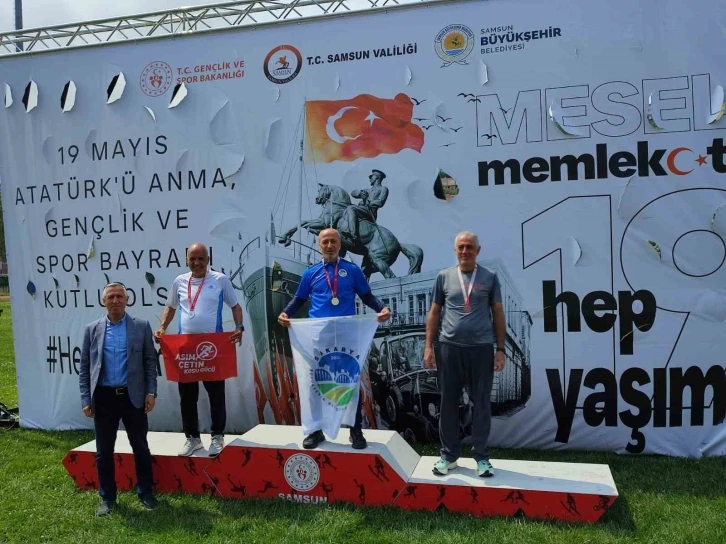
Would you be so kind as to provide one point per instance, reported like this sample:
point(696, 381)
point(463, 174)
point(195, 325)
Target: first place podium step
point(269, 461)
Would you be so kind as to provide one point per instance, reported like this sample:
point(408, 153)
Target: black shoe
point(358, 440)
point(313, 441)
point(149, 502)
point(105, 509)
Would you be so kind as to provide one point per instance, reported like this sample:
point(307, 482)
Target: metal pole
point(19, 20)
point(300, 197)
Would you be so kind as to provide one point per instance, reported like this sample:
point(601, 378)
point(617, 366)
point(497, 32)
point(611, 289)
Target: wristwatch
point(501, 349)
point(240, 327)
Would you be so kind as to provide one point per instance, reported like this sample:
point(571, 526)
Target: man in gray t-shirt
point(466, 317)
point(459, 326)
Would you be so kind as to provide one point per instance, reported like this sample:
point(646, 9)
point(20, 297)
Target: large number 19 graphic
point(575, 235)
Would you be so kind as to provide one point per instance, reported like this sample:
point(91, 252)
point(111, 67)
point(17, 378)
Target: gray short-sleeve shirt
point(474, 328)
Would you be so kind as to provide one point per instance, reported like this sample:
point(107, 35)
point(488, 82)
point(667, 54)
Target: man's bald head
point(329, 242)
point(198, 246)
point(329, 232)
point(198, 259)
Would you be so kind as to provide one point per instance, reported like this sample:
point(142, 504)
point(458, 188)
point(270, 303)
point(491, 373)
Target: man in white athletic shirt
point(201, 295)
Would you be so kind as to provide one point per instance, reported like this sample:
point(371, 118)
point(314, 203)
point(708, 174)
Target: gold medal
point(333, 284)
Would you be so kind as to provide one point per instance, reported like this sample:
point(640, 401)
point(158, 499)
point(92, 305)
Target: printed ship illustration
point(398, 392)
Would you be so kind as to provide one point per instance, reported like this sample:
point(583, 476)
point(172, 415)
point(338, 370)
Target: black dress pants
point(112, 405)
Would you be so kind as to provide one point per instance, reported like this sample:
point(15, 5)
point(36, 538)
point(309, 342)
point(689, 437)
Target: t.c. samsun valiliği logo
point(336, 376)
point(282, 64)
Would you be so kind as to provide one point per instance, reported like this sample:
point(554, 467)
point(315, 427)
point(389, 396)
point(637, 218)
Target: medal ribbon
point(467, 294)
point(193, 303)
point(334, 284)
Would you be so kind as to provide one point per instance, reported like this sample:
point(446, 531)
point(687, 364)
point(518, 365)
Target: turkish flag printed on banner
point(362, 127)
point(197, 357)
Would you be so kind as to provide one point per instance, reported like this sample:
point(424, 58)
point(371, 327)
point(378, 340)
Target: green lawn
point(662, 500)
point(8, 391)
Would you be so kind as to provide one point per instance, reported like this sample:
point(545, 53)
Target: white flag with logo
point(330, 355)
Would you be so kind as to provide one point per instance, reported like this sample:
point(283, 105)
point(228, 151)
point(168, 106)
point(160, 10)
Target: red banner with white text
point(199, 357)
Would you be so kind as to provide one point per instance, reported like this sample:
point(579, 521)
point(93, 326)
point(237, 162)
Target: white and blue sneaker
point(484, 468)
point(442, 467)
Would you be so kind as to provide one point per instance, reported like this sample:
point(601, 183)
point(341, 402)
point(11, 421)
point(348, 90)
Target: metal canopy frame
point(183, 22)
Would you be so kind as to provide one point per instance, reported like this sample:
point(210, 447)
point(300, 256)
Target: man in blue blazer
point(118, 383)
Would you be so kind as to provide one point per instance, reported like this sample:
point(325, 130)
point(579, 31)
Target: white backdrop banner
point(582, 141)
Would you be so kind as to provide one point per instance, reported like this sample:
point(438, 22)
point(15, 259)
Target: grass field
point(662, 500)
point(8, 390)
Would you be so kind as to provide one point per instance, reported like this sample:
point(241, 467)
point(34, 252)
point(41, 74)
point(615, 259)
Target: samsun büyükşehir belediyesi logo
point(336, 378)
point(453, 44)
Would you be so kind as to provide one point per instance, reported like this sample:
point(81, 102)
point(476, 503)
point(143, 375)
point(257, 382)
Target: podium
point(533, 489)
point(274, 464)
point(270, 462)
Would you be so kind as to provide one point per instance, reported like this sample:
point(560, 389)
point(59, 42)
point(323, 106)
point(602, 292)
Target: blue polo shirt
point(314, 287)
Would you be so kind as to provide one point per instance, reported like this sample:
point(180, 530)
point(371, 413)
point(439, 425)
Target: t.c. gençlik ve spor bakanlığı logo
point(453, 44)
point(302, 472)
point(336, 378)
point(156, 78)
point(206, 351)
point(282, 64)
